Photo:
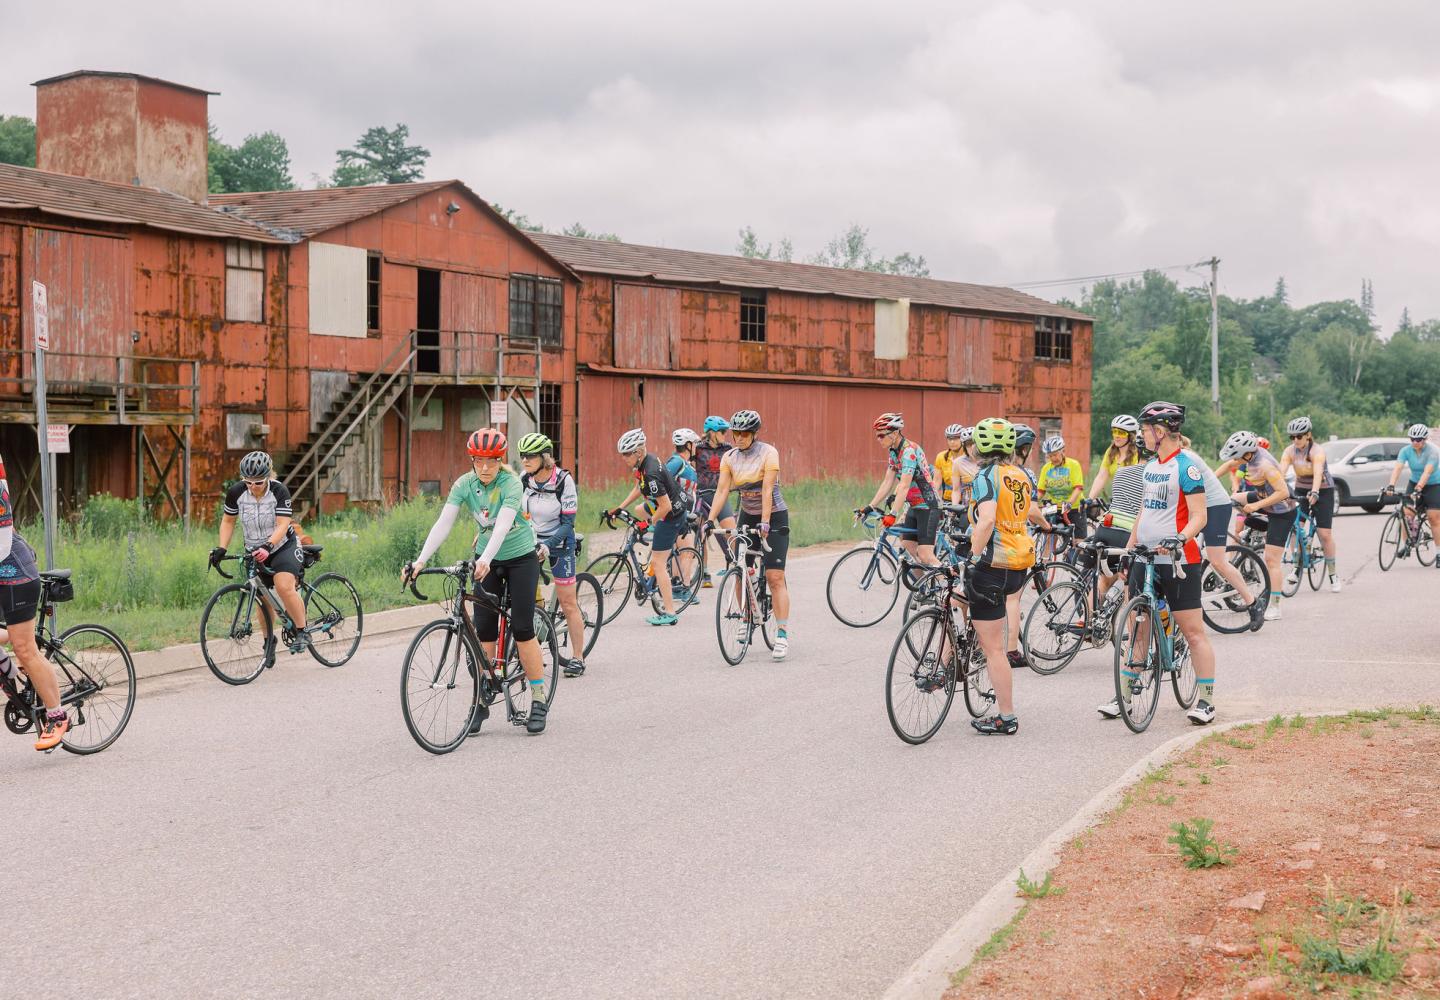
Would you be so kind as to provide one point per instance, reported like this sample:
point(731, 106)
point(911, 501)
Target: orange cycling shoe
point(52, 731)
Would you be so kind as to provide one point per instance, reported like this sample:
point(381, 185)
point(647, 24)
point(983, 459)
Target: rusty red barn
point(359, 333)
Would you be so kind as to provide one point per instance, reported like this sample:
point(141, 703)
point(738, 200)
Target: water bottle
point(1164, 610)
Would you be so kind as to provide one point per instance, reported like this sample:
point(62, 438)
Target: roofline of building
point(739, 376)
point(124, 76)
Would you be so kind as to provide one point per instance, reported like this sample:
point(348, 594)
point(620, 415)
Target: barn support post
point(185, 477)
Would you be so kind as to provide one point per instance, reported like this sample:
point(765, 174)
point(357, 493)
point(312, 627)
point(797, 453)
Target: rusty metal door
point(647, 327)
point(474, 313)
point(90, 283)
point(970, 350)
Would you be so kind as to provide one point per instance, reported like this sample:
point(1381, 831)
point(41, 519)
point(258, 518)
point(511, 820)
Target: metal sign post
point(40, 327)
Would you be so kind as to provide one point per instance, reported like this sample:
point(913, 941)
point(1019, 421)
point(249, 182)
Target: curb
point(929, 977)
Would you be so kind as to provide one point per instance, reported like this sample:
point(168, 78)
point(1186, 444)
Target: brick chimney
point(126, 128)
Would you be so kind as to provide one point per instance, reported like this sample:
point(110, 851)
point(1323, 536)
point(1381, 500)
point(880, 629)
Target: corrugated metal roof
point(310, 212)
point(126, 204)
point(123, 76)
point(694, 268)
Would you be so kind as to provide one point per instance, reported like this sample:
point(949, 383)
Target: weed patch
point(1198, 849)
point(1037, 890)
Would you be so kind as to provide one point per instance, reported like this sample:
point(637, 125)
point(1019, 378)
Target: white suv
point(1361, 467)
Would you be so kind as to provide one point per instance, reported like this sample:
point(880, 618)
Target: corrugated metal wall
point(647, 326)
point(337, 290)
point(88, 280)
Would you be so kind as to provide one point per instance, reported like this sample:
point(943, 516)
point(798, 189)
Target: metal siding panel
point(337, 290)
point(88, 282)
point(647, 326)
point(244, 295)
point(473, 303)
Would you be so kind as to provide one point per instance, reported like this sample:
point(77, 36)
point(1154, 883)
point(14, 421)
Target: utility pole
point(1215, 333)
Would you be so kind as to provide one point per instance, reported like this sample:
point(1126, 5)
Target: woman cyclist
point(1062, 482)
point(665, 503)
point(752, 469)
point(551, 501)
point(708, 453)
point(907, 475)
point(945, 461)
point(1217, 521)
point(1263, 488)
point(1002, 551)
point(1024, 441)
point(1422, 459)
point(1124, 450)
point(1314, 491)
point(682, 469)
point(504, 552)
point(19, 602)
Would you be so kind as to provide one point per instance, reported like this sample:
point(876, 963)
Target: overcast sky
point(1007, 141)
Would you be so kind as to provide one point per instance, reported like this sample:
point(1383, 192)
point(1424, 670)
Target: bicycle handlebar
point(754, 533)
point(227, 557)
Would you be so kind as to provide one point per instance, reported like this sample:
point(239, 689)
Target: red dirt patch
point(1336, 827)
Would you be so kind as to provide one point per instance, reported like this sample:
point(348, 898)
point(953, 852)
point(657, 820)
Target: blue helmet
point(716, 424)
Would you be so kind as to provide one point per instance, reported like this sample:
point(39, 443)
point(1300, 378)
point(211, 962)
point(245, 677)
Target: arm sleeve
point(232, 499)
point(440, 531)
point(504, 521)
point(564, 533)
point(283, 505)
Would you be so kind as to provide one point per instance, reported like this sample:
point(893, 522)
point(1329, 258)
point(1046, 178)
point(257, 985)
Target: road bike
point(1146, 654)
point(864, 583)
point(623, 574)
point(1060, 621)
point(1225, 611)
point(936, 651)
point(438, 696)
point(237, 653)
point(742, 604)
point(1303, 555)
point(592, 608)
point(94, 670)
point(1406, 532)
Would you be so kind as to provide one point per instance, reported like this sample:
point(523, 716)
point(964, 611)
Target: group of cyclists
point(1161, 495)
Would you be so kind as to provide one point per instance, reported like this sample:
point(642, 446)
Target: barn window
point(550, 413)
point(536, 305)
point(1053, 338)
point(244, 282)
point(752, 317)
point(372, 291)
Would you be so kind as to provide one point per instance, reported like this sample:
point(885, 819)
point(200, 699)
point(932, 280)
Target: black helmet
point(1024, 435)
point(1170, 415)
point(256, 465)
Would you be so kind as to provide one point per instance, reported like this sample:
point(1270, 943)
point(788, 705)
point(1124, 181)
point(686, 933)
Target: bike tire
point(101, 657)
point(1235, 617)
point(230, 653)
point(1290, 565)
point(1182, 678)
point(516, 684)
point(332, 594)
point(734, 628)
point(675, 565)
point(425, 670)
point(853, 575)
point(592, 612)
point(617, 582)
point(1425, 544)
point(979, 691)
point(1139, 708)
point(1392, 533)
point(919, 689)
point(1046, 637)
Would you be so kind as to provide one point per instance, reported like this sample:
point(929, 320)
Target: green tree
point(749, 246)
point(517, 220)
point(576, 229)
point(851, 250)
point(380, 156)
point(17, 140)
point(260, 163)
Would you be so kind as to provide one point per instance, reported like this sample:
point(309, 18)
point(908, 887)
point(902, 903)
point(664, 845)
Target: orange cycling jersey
point(1010, 546)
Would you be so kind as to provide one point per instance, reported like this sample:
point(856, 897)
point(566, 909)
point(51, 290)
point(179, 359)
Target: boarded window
point(1053, 338)
point(970, 350)
point(372, 291)
point(752, 317)
point(892, 329)
point(536, 305)
point(431, 416)
point(338, 283)
point(647, 326)
point(244, 282)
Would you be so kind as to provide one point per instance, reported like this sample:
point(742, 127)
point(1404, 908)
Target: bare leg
point(992, 643)
point(36, 667)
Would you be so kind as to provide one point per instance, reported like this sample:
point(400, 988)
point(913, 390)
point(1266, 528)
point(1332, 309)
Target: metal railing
point(473, 355)
point(137, 385)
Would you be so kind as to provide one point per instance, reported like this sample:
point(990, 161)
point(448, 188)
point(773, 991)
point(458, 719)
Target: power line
point(1101, 277)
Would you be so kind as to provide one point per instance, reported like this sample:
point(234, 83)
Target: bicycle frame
point(1167, 640)
point(74, 682)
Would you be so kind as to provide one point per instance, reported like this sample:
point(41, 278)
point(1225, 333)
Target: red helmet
point(1263, 442)
point(486, 443)
point(890, 422)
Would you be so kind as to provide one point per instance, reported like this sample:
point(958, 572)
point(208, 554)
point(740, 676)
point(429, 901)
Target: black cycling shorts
point(923, 521)
point(1217, 525)
point(1430, 496)
point(1278, 533)
point(523, 576)
point(988, 590)
point(287, 557)
point(779, 540)
point(1324, 508)
point(1113, 538)
point(1181, 595)
point(18, 601)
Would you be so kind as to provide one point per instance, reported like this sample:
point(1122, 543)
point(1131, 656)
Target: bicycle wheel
point(1221, 604)
point(97, 686)
point(592, 607)
point(1391, 536)
point(439, 687)
point(685, 573)
point(516, 683)
point(1042, 577)
point(1054, 631)
point(230, 641)
point(926, 592)
point(863, 586)
point(1137, 664)
point(332, 610)
point(617, 582)
point(1290, 567)
point(734, 621)
point(1182, 674)
point(1315, 568)
point(920, 685)
point(1425, 544)
point(979, 692)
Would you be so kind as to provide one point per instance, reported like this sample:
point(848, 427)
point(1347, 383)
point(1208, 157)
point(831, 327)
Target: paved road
point(684, 829)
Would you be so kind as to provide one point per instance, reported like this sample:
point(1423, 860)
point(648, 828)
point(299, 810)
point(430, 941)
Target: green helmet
point(535, 444)
point(995, 436)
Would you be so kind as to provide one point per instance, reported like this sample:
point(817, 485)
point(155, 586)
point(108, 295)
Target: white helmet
point(955, 430)
point(1300, 425)
point(684, 436)
point(1237, 444)
point(630, 442)
point(1052, 444)
point(967, 434)
point(1418, 432)
point(1125, 422)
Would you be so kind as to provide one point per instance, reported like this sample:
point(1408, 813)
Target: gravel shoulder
point(1324, 875)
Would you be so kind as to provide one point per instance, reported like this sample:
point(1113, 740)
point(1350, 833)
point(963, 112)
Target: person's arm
point(1199, 514)
point(884, 491)
point(1285, 462)
point(282, 525)
point(902, 490)
point(722, 493)
point(630, 498)
point(1425, 476)
point(227, 530)
point(767, 497)
point(504, 521)
point(1079, 490)
point(1102, 479)
point(438, 533)
point(1280, 495)
point(663, 506)
point(564, 534)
